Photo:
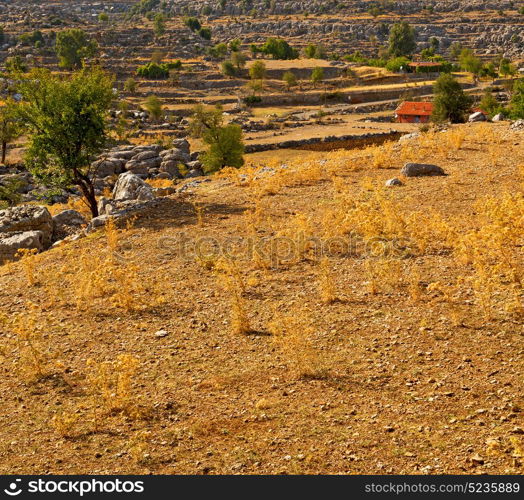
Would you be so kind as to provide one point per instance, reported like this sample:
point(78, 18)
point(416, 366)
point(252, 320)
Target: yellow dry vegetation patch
point(290, 316)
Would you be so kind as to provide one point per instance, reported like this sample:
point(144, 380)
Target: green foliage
point(290, 79)
point(103, 17)
point(159, 24)
point(143, 6)
point(228, 68)
point(130, 85)
point(278, 48)
point(192, 23)
point(506, 68)
point(517, 100)
point(317, 75)
point(205, 33)
point(258, 71)
point(397, 64)
point(15, 64)
point(9, 192)
point(450, 102)
point(402, 40)
point(155, 71)
point(10, 127)
point(31, 38)
point(455, 49)
point(66, 121)
point(225, 146)
point(72, 47)
point(470, 62)
point(218, 51)
point(489, 70)
point(239, 60)
point(489, 104)
point(315, 52)
point(234, 45)
point(153, 106)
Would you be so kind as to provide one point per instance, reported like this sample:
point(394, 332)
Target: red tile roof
point(424, 63)
point(415, 108)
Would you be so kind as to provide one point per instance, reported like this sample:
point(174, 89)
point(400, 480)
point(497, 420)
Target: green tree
point(225, 146)
point(205, 33)
point(228, 68)
point(517, 100)
point(130, 85)
point(397, 64)
point(153, 106)
point(159, 24)
point(10, 127)
point(402, 40)
point(192, 23)
point(317, 75)
point(489, 104)
point(470, 62)
point(103, 17)
point(239, 60)
point(72, 47)
point(258, 71)
point(10, 192)
point(234, 45)
point(506, 68)
point(455, 50)
point(450, 102)
point(66, 121)
point(15, 64)
point(279, 49)
point(218, 51)
point(290, 79)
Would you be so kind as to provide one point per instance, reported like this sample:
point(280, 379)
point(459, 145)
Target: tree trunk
point(88, 190)
point(4, 150)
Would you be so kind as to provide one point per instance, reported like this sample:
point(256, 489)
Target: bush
point(450, 103)
point(192, 23)
point(72, 47)
point(278, 49)
point(397, 64)
point(228, 68)
point(9, 194)
point(205, 33)
point(156, 71)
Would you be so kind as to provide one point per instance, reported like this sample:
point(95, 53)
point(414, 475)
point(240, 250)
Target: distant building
point(414, 112)
point(425, 67)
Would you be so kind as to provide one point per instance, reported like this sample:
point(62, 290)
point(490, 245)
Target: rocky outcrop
point(12, 243)
point(131, 187)
point(67, 223)
point(25, 218)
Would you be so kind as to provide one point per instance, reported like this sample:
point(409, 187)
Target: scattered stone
point(478, 116)
point(394, 182)
point(421, 170)
point(161, 333)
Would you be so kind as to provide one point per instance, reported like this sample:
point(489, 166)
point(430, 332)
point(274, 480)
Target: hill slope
point(398, 350)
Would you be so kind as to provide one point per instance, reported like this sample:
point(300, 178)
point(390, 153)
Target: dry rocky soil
point(125, 352)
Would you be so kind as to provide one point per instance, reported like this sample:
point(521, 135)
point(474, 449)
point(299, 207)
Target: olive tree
point(66, 121)
point(225, 146)
point(73, 46)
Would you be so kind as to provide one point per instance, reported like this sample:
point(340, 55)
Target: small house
point(414, 112)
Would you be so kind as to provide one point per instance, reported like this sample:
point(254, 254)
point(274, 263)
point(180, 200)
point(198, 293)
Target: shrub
point(450, 103)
